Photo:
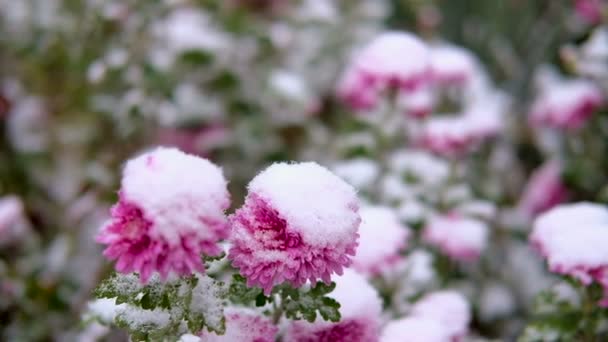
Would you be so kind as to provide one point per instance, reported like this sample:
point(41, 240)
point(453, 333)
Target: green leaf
point(240, 293)
point(304, 304)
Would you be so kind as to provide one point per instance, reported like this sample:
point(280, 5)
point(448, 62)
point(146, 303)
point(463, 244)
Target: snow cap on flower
point(567, 104)
point(414, 329)
point(448, 136)
point(459, 237)
point(299, 222)
point(397, 60)
point(243, 325)
point(451, 64)
point(360, 311)
point(382, 237)
point(170, 210)
point(544, 190)
point(449, 308)
point(573, 239)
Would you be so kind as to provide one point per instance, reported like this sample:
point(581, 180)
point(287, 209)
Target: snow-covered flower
point(566, 104)
point(452, 65)
point(459, 237)
point(170, 210)
point(243, 325)
point(414, 329)
point(544, 190)
point(393, 60)
point(447, 307)
point(299, 222)
point(448, 136)
point(382, 237)
point(573, 239)
point(360, 310)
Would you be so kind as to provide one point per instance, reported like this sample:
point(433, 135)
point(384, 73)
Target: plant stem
point(277, 310)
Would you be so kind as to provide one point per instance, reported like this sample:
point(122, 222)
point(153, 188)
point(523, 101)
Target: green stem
point(277, 310)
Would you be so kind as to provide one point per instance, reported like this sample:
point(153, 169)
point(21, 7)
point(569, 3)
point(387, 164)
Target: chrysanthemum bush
point(314, 170)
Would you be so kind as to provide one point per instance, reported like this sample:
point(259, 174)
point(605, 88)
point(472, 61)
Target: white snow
point(315, 202)
point(392, 54)
point(175, 190)
point(381, 237)
point(452, 62)
point(414, 329)
point(573, 235)
point(421, 165)
point(359, 172)
point(447, 307)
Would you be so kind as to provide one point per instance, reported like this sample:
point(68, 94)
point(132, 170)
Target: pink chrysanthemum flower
point(452, 65)
point(299, 222)
point(360, 310)
point(414, 329)
point(449, 308)
point(243, 325)
point(382, 238)
point(393, 60)
point(458, 237)
point(573, 239)
point(544, 190)
point(566, 105)
point(170, 210)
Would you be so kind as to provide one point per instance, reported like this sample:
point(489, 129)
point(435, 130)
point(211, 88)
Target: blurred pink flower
point(447, 136)
point(382, 238)
point(544, 190)
point(170, 211)
point(590, 10)
point(452, 65)
point(447, 307)
point(199, 141)
point(243, 325)
point(360, 311)
point(566, 104)
point(393, 60)
point(573, 239)
point(299, 222)
point(458, 237)
point(13, 223)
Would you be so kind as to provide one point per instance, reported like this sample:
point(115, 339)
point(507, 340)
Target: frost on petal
point(170, 210)
point(414, 329)
point(360, 310)
point(299, 222)
point(382, 238)
point(573, 239)
point(449, 308)
point(393, 60)
point(243, 325)
point(456, 236)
